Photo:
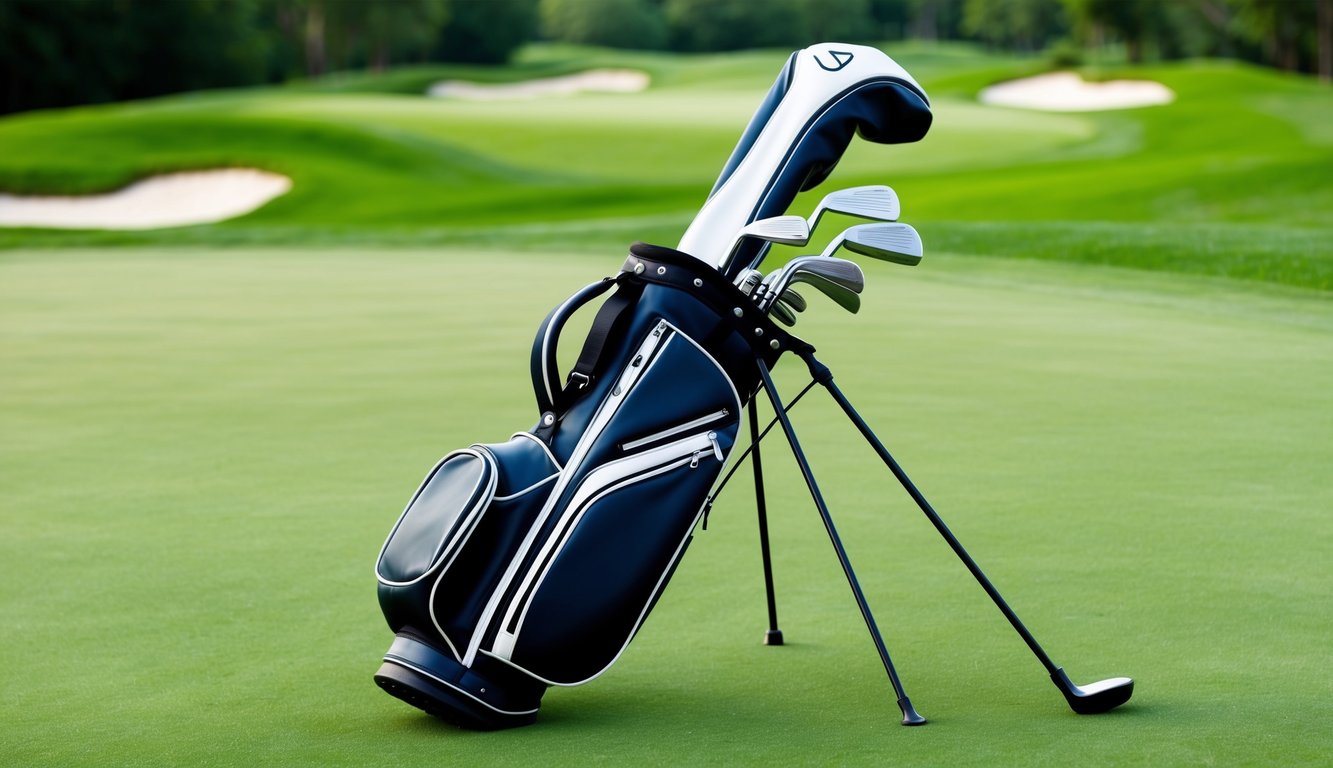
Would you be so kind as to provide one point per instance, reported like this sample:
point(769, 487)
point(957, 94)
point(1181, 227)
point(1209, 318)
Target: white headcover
point(821, 75)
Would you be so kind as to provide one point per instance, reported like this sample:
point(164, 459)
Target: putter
point(1091, 699)
point(898, 243)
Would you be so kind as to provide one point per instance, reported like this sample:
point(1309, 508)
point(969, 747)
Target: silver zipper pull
point(694, 460)
point(717, 449)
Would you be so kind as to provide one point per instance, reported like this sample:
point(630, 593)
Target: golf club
point(874, 201)
point(1091, 699)
point(786, 230)
point(782, 313)
point(898, 243)
point(794, 300)
point(748, 280)
point(839, 271)
point(840, 294)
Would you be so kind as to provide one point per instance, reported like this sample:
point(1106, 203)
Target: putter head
point(875, 201)
point(898, 243)
point(1095, 698)
point(784, 230)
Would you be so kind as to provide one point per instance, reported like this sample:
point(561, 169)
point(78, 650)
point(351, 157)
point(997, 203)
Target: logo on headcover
point(840, 60)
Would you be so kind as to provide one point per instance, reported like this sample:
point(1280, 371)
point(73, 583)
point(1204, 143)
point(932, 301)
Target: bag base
point(487, 697)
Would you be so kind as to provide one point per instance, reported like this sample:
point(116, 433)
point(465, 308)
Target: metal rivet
point(615, 391)
point(738, 312)
point(483, 690)
point(638, 268)
point(661, 270)
point(774, 344)
point(758, 331)
point(698, 283)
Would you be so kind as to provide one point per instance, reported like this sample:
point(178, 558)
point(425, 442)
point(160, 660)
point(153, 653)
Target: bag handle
point(551, 394)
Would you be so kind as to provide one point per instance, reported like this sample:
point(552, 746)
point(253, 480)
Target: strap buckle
point(580, 380)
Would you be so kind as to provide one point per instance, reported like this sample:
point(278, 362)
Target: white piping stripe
point(505, 641)
point(546, 448)
point(655, 338)
point(680, 550)
point(676, 430)
point(467, 519)
point(529, 489)
point(585, 501)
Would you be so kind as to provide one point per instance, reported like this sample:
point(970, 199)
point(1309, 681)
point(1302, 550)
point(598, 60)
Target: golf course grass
point(1112, 375)
point(204, 450)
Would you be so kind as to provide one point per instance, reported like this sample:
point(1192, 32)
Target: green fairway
point(202, 451)
point(1230, 180)
point(1112, 375)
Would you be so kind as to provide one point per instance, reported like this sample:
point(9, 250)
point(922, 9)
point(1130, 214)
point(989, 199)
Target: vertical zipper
point(646, 355)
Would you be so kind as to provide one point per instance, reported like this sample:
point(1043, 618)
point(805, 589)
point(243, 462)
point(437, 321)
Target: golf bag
point(533, 562)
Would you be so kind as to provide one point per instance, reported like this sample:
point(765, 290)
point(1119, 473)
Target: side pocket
point(458, 534)
point(440, 515)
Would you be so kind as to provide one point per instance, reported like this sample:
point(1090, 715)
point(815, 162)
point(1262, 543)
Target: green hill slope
point(1230, 180)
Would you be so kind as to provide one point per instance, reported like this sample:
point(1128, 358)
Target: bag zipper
point(646, 355)
point(605, 480)
point(676, 430)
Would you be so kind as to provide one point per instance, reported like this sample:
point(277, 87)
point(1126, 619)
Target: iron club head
point(898, 243)
point(784, 230)
point(875, 201)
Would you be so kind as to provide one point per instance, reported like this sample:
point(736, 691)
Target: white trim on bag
point(466, 518)
point(681, 453)
point(653, 344)
point(643, 614)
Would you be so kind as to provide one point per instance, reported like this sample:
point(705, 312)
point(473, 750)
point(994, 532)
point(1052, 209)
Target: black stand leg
point(774, 635)
point(910, 716)
point(824, 377)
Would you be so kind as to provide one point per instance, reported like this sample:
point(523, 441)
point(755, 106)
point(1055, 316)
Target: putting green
point(203, 450)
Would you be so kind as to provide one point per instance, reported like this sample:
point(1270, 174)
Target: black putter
point(1091, 699)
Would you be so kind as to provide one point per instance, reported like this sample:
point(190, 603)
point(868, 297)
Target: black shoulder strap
point(609, 322)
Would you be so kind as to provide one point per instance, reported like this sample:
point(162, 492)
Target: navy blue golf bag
point(532, 563)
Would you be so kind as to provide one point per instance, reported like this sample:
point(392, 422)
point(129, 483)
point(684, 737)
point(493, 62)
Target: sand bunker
point(1067, 92)
point(598, 80)
point(170, 200)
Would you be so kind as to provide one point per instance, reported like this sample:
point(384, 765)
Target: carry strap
point(553, 396)
point(610, 318)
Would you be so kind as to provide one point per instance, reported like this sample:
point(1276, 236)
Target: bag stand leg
point(910, 716)
point(774, 635)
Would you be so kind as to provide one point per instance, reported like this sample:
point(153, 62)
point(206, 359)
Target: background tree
point(485, 31)
point(613, 23)
point(1026, 25)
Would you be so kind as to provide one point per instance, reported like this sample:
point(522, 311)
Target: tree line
point(64, 52)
